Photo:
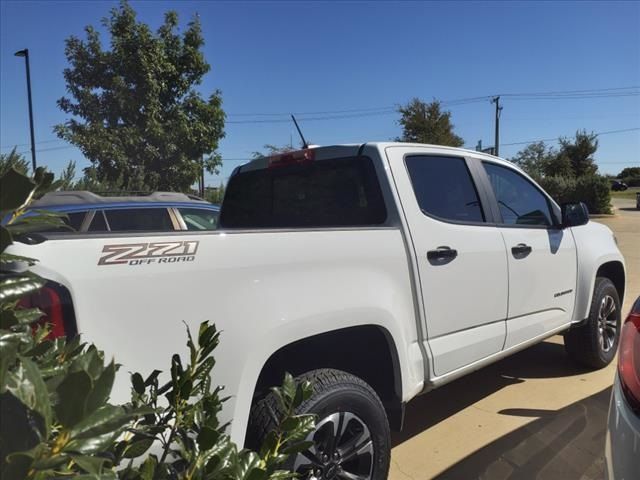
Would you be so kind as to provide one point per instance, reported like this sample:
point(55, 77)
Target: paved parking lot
point(533, 415)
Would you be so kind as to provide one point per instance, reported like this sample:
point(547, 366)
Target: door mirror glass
point(574, 214)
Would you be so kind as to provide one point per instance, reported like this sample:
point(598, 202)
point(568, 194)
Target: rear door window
point(199, 218)
point(444, 188)
point(98, 223)
point(323, 193)
point(139, 219)
point(75, 220)
point(71, 219)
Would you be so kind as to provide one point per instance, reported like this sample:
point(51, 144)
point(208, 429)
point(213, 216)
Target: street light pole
point(25, 53)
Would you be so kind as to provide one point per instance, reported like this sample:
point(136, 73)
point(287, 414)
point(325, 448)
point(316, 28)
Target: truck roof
point(82, 197)
point(332, 151)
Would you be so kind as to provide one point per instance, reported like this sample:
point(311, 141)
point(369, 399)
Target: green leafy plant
point(56, 420)
point(594, 190)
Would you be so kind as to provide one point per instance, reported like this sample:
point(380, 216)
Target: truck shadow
point(544, 360)
point(561, 444)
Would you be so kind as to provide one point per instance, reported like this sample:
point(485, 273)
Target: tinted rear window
point(73, 220)
point(139, 219)
point(444, 188)
point(199, 218)
point(324, 193)
point(98, 223)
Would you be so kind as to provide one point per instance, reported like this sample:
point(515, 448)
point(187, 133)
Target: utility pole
point(25, 53)
point(201, 178)
point(496, 147)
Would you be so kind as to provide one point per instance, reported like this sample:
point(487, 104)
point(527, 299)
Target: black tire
point(588, 344)
point(337, 396)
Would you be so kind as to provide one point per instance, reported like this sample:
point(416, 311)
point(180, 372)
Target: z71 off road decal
point(145, 253)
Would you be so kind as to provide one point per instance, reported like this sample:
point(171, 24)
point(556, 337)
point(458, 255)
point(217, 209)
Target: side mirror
point(574, 214)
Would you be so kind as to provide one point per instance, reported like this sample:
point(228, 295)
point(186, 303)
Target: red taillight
point(629, 358)
point(291, 158)
point(49, 301)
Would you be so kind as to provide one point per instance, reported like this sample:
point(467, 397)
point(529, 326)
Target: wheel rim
point(607, 323)
point(342, 449)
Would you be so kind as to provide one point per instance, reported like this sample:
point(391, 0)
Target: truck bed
point(131, 295)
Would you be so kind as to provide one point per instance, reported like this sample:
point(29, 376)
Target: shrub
point(594, 190)
point(632, 181)
point(55, 417)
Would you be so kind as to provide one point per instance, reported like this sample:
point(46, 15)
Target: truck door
point(542, 257)
point(462, 262)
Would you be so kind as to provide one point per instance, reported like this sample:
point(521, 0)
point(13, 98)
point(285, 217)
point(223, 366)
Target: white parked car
point(377, 271)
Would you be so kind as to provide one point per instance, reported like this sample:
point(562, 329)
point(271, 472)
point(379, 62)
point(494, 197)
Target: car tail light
point(54, 301)
point(291, 158)
point(629, 357)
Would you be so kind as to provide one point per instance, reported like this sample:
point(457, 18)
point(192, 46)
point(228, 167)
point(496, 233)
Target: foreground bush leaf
point(17, 286)
point(26, 384)
point(102, 388)
point(17, 465)
point(16, 190)
point(246, 465)
point(137, 448)
point(72, 398)
point(5, 239)
point(106, 419)
point(89, 464)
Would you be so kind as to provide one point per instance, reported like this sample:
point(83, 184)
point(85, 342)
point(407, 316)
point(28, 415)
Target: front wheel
point(595, 342)
point(351, 439)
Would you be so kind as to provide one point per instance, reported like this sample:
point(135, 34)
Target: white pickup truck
point(378, 271)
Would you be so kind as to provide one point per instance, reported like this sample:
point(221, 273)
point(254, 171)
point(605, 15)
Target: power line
point(609, 132)
point(556, 138)
point(618, 163)
point(502, 144)
point(352, 110)
point(27, 144)
point(50, 149)
point(571, 92)
point(574, 97)
point(613, 92)
point(312, 119)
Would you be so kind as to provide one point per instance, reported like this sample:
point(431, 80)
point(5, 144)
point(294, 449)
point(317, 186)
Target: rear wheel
point(351, 439)
point(595, 342)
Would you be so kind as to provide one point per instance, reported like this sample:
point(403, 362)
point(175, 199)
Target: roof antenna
point(304, 142)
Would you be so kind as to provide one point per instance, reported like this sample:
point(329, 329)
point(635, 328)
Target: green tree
point(629, 172)
point(67, 177)
point(15, 160)
point(19, 163)
point(136, 114)
point(579, 152)
point(214, 195)
point(426, 123)
point(559, 165)
point(535, 159)
point(270, 150)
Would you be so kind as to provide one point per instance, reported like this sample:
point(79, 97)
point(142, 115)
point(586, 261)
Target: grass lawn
point(628, 193)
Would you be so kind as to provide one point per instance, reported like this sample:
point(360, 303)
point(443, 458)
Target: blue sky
point(280, 57)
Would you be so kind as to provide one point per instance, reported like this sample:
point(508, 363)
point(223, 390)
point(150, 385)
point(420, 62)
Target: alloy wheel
point(607, 323)
point(342, 449)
